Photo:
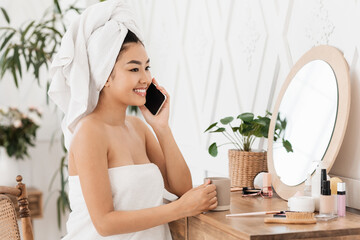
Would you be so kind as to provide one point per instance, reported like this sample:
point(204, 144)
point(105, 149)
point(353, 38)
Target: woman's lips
point(140, 91)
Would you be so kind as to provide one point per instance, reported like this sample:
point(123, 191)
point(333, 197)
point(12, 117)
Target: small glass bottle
point(316, 185)
point(326, 200)
point(307, 189)
point(341, 199)
point(267, 189)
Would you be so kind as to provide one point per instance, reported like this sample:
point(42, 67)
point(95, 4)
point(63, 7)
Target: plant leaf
point(210, 127)
point(47, 89)
point(6, 40)
point(246, 129)
point(54, 30)
point(5, 15)
point(53, 179)
point(283, 123)
point(13, 71)
point(278, 126)
point(26, 30)
point(17, 60)
point(5, 66)
point(265, 132)
point(219, 130)
point(287, 145)
point(235, 129)
point(246, 117)
point(4, 62)
point(264, 121)
point(226, 120)
point(58, 203)
point(213, 150)
point(57, 6)
point(258, 132)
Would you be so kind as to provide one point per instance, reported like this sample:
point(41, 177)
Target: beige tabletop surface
point(254, 227)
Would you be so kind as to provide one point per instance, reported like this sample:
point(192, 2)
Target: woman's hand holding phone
point(160, 120)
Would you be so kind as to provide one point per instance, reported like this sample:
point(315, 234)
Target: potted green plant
point(245, 164)
point(17, 133)
point(29, 48)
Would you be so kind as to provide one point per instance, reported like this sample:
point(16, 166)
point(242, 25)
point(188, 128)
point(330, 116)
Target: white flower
point(35, 109)
point(17, 123)
point(4, 110)
point(5, 122)
point(34, 118)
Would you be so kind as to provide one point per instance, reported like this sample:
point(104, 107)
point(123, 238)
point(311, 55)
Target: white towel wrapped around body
point(133, 187)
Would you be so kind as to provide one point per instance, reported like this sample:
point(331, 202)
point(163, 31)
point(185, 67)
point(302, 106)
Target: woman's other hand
point(162, 118)
point(199, 199)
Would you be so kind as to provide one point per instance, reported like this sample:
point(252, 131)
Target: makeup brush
point(253, 213)
point(293, 218)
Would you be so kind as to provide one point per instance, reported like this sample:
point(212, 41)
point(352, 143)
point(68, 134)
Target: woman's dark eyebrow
point(137, 62)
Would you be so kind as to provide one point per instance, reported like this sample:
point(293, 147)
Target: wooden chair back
point(8, 222)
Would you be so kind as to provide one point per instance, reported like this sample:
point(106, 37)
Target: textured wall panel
point(217, 58)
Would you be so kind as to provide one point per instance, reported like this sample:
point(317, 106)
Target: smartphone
point(155, 99)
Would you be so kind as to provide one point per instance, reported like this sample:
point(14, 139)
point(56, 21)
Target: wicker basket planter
point(244, 166)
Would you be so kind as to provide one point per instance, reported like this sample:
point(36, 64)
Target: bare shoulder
point(89, 132)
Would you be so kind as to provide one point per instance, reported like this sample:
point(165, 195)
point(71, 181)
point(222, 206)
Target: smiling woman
point(118, 169)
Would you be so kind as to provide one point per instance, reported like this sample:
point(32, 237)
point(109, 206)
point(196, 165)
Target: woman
point(118, 169)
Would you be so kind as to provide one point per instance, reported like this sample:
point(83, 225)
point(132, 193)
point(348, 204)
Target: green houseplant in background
point(243, 136)
point(18, 130)
point(245, 164)
point(17, 134)
point(29, 48)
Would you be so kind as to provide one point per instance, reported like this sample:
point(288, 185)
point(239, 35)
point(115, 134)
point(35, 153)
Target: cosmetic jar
point(301, 204)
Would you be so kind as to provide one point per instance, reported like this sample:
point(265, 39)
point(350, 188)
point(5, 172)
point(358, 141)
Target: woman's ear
point(107, 84)
point(111, 77)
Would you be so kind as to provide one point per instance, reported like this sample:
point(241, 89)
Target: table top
point(253, 227)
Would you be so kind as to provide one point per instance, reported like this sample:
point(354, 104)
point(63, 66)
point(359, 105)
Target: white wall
point(221, 58)
point(45, 157)
point(216, 58)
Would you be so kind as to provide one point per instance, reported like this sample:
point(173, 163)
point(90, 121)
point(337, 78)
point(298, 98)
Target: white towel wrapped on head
point(87, 55)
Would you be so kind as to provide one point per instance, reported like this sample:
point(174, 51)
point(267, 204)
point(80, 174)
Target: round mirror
point(311, 97)
point(312, 107)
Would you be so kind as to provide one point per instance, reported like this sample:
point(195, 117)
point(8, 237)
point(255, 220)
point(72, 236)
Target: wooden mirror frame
point(337, 62)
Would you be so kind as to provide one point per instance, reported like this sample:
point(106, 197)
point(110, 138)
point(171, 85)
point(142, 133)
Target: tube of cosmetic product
point(341, 199)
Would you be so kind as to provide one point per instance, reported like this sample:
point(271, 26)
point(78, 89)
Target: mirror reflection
point(310, 108)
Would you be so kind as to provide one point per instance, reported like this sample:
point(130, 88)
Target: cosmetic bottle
point(307, 189)
point(316, 186)
point(326, 200)
point(323, 176)
point(341, 199)
point(267, 189)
